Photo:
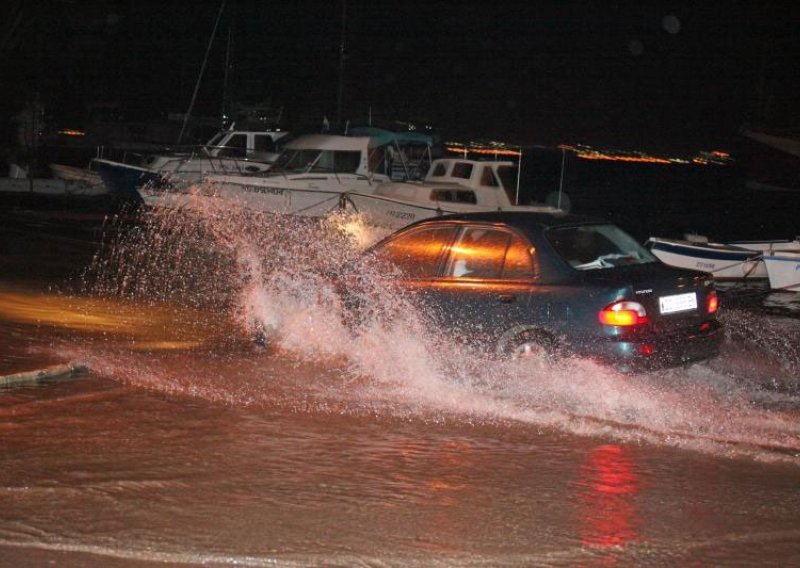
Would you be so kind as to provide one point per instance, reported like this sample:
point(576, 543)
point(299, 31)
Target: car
point(553, 284)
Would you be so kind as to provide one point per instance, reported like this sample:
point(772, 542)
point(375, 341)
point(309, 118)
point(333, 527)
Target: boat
point(770, 246)
point(20, 182)
point(72, 173)
point(783, 270)
point(724, 261)
point(49, 187)
point(311, 173)
point(452, 185)
point(229, 151)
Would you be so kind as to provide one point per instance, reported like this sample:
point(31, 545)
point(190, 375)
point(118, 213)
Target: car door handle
point(506, 298)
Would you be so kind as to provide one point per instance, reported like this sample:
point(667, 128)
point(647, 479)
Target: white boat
point(72, 173)
point(724, 261)
point(783, 269)
point(770, 246)
point(311, 174)
point(229, 151)
point(49, 187)
point(20, 183)
point(452, 185)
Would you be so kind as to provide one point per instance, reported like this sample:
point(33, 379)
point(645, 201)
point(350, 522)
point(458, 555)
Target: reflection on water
point(606, 491)
point(141, 327)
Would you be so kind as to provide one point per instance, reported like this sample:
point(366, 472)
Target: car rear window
point(593, 247)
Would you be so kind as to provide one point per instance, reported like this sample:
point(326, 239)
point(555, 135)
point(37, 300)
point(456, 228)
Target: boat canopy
point(330, 142)
point(382, 136)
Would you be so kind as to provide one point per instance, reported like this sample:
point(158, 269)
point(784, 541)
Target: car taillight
point(712, 302)
point(623, 313)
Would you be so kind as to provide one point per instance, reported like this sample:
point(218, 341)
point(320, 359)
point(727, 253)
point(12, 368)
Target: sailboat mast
point(341, 65)
point(225, 80)
point(200, 77)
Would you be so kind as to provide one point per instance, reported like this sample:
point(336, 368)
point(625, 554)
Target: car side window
point(478, 253)
point(482, 252)
point(417, 252)
point(519, 259)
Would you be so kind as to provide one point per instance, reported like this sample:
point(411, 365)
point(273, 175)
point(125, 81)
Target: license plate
point(678, 303)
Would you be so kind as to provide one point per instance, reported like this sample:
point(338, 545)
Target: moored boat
point(229, 151)
point(724, 261)
point(770, 246)
point(783, 269)
point(52, 187)
point(451, 186)
point(312, 173)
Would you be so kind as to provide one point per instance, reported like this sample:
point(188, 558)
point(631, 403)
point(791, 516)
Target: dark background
point(657, 76)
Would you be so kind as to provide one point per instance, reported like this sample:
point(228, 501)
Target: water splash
point(274, 274)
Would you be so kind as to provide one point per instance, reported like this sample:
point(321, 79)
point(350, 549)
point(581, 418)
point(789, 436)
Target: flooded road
point(186, 443)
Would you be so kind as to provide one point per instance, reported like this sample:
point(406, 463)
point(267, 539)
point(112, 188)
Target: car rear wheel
point(528, 344)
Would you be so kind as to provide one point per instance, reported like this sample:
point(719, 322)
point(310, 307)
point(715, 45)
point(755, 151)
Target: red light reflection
point(607, 485)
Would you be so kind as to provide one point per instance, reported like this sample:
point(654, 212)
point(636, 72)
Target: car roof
point(519, 219)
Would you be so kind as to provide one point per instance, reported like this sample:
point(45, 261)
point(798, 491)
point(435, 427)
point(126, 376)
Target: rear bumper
point(662, 351)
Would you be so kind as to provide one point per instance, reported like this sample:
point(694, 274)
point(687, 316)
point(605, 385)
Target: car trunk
point(673, 298)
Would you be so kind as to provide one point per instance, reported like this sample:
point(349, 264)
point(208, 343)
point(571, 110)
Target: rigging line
point(313, 205)
point(202, 70)
point(340, 93)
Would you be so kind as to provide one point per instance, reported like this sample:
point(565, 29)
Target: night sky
point(658, 76)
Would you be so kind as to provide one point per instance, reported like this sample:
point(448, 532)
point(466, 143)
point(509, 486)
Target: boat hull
point(124, 179)
point(283, 200)
point(723, 261)
point(783, 270)
point(49, 187)
point(395, 214)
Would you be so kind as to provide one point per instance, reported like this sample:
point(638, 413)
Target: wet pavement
point(186, 444)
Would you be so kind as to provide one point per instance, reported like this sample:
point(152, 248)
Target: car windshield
point(592, 247)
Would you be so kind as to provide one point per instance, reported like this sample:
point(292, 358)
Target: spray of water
point(279, 279)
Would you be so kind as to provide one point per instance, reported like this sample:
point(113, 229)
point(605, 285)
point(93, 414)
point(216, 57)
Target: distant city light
point(585, 152)
point(492, 148)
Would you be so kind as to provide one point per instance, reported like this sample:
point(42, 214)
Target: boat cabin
point(325, 153)
point(253, 145)
point(376, 154)
point(453, 180)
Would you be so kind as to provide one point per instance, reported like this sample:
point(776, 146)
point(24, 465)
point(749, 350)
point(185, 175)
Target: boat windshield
point(312, 160)
point(591, 247)
point(216, 140)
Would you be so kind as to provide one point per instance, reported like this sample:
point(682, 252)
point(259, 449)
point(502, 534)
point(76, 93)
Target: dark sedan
point(547, 284)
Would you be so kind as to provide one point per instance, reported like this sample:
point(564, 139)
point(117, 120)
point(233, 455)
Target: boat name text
point(401, 214)
point(270, 190)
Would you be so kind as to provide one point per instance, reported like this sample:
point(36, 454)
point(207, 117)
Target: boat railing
point(137, 156)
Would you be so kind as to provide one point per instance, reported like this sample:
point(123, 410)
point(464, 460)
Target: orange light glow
point(145, 328)
point(712, 302)
point(484, 150)
point(621, 317)
point(460, 250)
point(70, 132)
point(623, 314)
point(613, 158)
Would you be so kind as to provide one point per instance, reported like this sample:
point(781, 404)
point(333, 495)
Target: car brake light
point(712, 302)
point(623, 313)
